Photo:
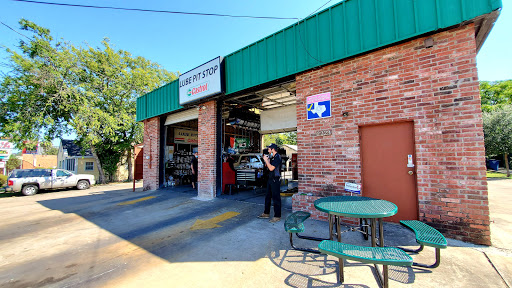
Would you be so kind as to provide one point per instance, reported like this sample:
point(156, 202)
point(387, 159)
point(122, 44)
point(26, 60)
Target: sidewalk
point(254, 253)
point(109, 236)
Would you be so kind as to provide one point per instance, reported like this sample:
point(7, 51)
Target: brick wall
point(207, 139)
point(151, 151)
point(41, 161)
point(438, 89)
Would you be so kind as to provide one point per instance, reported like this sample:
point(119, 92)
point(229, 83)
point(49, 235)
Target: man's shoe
point(275, 219)
point(264, 216)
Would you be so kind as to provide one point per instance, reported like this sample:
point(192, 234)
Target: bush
point(3, 180)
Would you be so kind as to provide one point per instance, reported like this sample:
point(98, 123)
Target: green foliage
point(13, 163)
point(56, 88)
point(3, 180)
point(498, 132)
point(111, 157)
point(280, 139)
point(495, 94)
point(49, 149)
point(496, 175)
point(37, 98)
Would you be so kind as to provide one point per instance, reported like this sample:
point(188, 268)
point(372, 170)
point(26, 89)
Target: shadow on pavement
point(161, 225)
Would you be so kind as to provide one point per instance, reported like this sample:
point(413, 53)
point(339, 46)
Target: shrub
point(3, 180)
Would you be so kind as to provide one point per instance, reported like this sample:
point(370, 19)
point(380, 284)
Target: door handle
point(410, 172)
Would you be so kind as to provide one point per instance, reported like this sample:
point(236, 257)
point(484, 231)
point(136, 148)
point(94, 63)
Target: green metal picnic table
point(357, 207)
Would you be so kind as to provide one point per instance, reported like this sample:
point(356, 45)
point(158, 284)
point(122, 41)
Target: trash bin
point(494, 164)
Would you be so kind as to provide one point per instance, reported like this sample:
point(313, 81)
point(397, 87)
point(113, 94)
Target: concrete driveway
point(109, 236)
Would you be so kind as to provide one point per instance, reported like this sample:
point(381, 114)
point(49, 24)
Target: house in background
point(290, 149)
point(71, 157)
point(31, 161)
point(36, 157)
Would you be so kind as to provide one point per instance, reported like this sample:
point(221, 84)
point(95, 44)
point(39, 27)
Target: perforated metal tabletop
point(356, 206)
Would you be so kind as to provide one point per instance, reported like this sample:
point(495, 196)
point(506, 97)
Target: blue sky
point(182, 42)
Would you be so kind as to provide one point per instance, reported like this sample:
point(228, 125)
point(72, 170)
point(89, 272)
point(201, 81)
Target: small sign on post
point(353, 188)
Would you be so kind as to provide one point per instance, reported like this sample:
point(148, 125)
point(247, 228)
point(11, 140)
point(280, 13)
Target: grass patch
point(494, 174)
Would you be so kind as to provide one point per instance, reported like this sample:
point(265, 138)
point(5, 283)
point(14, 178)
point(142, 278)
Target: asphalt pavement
point(109, 236)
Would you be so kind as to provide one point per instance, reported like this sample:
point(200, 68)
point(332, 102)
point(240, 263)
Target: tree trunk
point(507, 165)
point(101, 179)
point(130, 166)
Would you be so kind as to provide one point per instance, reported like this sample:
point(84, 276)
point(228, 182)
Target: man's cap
point(273, 146)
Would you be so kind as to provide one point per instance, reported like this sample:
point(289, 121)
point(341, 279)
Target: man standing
point(273, 162)
point(193, 166)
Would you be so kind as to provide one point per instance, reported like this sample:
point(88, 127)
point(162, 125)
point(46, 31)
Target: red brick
point(441, 97)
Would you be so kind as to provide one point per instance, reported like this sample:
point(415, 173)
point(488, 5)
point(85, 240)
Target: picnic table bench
point(374, 255)
point(294, 223)
point(426, 236)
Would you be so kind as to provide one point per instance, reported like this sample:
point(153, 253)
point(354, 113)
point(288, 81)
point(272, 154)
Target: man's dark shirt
point(194, 164)
point(276, 161)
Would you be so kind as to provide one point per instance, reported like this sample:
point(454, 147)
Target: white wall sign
point(2, 164)
point(409, 161)
point(6, 144)
point(353, 187)
point(201, 82)
point(5, 149)
point(185, 136)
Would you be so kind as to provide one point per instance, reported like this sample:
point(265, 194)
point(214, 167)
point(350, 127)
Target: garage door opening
point(249, 121)
point(181, 141)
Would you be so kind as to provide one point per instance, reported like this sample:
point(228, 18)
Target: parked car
point(249, 169)
point(30, 181)
point(248, 161)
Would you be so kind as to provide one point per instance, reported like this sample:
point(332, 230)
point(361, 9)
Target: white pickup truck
point(29, 181)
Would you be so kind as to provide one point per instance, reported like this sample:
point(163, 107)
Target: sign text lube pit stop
point(200, 82)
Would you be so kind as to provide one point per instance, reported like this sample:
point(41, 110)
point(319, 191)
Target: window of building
point(63, 173)
point(70, 165)
point(89, 166)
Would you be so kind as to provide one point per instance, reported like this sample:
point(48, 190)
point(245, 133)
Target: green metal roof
point(343, 30)
point(160, 101)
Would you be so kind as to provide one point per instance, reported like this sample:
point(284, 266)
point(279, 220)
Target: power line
point(183, 13)
point(14, 30)
point(156, 11)
point(318, 8)
point(300, 34)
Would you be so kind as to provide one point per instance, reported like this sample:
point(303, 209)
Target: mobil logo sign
point(319, 106)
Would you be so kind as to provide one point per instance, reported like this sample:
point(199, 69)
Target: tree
point(280, 139)
point(495, 94)
point(498, 133)
point(13, 163)
point(111, 81)
point(37, 100)
point(55, 88)
point(49, 149)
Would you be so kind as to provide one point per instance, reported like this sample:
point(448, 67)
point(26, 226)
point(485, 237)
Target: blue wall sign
point(319, 106)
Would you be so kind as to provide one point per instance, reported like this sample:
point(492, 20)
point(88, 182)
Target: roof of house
point(293, 147)
point(73, 149)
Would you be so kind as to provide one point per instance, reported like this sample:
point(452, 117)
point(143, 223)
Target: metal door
point(388, 166)
point(139, 164)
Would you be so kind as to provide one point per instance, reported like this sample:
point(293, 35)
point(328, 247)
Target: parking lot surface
point(109, 236)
